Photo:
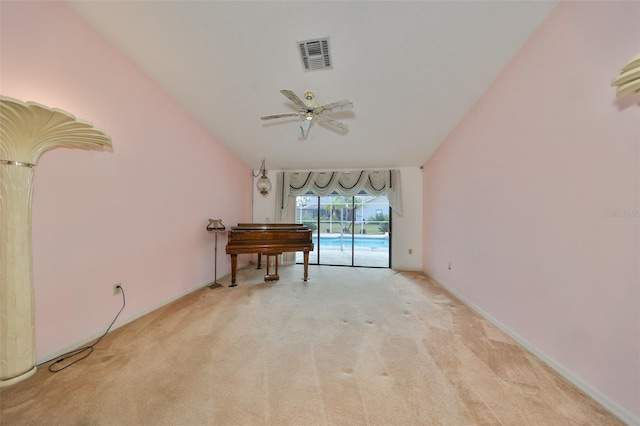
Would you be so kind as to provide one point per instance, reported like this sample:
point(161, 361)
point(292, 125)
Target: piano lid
point(270, 227)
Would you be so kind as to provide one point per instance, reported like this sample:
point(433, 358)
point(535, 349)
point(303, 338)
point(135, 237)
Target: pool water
point(381, 242)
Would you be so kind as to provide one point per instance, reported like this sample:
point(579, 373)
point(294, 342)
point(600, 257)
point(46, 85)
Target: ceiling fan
point(309, 109)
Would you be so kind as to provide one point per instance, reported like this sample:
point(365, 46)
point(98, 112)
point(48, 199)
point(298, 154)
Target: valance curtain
point(349, 183)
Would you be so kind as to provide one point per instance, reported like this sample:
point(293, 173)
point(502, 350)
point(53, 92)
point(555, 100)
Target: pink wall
point(517, 199)
point(136, 215)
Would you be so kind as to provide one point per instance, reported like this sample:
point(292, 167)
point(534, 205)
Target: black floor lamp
point(215, 226)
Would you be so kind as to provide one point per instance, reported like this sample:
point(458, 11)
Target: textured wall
point(533, 199)
point(135, 215)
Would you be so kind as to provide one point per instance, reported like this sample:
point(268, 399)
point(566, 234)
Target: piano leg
point(306, 265)
point(270, 276)
point(260, 261)
point(234, 264)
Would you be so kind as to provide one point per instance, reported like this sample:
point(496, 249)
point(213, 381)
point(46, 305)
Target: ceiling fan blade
point(294, 98)
point(335, 106)
point(331, 122)
point(304, 127)
point(287, 114)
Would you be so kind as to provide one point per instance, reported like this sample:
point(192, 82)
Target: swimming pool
point(381, 242)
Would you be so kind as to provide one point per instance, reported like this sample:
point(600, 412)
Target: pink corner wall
point(534, 200)
point(135, 216)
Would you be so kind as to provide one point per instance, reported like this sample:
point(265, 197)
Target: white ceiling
point(412, 69)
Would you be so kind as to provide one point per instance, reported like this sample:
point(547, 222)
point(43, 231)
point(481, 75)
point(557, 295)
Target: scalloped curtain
point(349, 183)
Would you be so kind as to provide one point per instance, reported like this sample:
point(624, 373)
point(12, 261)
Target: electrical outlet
point(116, 289)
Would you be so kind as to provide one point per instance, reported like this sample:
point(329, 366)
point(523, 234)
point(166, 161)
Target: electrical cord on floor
point(86, 348)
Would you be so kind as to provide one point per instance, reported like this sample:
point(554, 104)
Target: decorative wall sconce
point(628, 81)
point(215, 226)
point(263, 184)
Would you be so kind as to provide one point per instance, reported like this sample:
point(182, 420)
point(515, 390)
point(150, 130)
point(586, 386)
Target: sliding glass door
point(347, 231)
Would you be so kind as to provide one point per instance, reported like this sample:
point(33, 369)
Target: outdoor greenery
point(310, 222)
point(338, 217)
point(383, 221)
point(369, 228)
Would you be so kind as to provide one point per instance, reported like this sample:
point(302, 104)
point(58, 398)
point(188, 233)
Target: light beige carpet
point(352, 346)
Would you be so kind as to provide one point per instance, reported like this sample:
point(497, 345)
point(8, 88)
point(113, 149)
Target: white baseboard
point(620, 412)
point(402, 269)
point(84, 342)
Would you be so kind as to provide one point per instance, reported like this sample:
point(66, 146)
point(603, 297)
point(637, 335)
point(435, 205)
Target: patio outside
point(352, 231)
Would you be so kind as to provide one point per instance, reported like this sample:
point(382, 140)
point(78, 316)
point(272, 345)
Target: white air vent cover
point(315, 54)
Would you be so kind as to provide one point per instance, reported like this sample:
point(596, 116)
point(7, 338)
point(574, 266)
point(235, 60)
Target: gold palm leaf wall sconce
point(628, 81)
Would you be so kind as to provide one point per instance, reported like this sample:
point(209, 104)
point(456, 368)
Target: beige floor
point(352, 346)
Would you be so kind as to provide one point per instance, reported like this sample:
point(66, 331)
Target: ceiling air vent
point(315, 54)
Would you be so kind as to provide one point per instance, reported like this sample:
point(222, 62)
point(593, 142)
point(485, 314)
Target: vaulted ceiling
point(412, 69)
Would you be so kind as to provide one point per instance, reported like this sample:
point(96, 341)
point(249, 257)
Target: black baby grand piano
point(271, 239)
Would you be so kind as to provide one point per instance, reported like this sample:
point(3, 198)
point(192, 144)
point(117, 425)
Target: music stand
point(215, 226)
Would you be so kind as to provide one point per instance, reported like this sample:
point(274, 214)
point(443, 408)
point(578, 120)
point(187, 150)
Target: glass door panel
point(372, 242)
point(335, 241)
point(347, 231)
point(307, 214)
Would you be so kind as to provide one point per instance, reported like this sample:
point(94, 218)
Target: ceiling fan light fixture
point(309, 110)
